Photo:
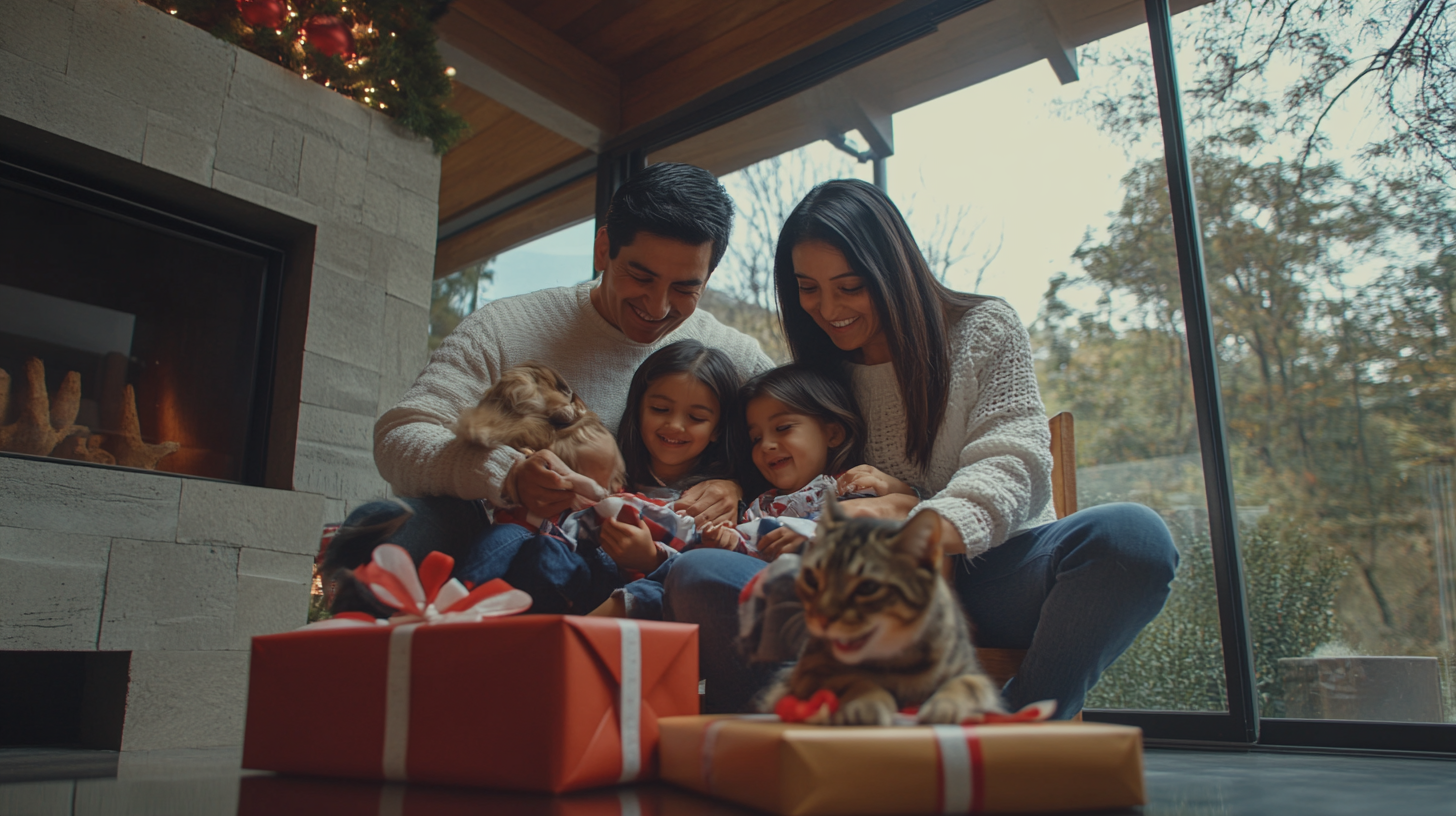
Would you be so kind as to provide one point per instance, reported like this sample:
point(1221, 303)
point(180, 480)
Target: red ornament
point(329, 36)
point(263, 13)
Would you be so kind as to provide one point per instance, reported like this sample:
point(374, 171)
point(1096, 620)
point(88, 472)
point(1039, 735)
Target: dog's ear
point(520, 392)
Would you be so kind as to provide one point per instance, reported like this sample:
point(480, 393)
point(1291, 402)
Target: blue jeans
point(558, 579)
point(1074, 593)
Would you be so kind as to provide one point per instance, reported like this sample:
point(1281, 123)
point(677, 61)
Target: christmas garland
point(380, 53)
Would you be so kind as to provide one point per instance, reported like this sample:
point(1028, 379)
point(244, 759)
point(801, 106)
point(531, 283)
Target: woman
point(947, 387)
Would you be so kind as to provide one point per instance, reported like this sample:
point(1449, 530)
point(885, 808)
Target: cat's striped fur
point(885, 631)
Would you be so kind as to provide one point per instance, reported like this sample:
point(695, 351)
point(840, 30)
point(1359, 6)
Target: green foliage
point(454, 297)
point(396, 68)
point(1177, 662)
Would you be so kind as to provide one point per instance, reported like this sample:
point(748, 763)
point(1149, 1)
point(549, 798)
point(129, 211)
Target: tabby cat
point(885, 631)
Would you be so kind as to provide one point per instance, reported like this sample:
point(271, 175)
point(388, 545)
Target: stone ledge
point(54, 583)
point(162, 596)
point(67, 498)
point(256, 517)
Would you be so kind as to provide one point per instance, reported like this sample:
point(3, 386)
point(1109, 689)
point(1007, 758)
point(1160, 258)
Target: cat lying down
point(882, 629)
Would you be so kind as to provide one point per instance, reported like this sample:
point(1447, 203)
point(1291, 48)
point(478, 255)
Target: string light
point(450, 71)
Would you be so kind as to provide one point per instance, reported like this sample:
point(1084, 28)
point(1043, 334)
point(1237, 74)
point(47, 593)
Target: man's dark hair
point(677, 201)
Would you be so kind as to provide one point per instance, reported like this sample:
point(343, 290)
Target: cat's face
point(866, 584)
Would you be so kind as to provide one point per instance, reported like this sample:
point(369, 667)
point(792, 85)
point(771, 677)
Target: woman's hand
point(631, 546)
point(775, 543)
point(539, 486)
point(865, 478)
point(894, 507)
point(712, 502)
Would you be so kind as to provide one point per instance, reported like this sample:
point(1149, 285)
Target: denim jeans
point(1074, 593)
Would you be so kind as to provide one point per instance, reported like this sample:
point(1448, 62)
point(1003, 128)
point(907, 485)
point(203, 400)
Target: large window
point(1328, 222)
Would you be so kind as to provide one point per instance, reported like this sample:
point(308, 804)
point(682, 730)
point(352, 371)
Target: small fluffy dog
point(532, 408)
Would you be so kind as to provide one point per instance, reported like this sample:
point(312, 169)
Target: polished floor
point(209, 783)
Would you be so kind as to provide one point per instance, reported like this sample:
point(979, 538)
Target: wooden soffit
point(546, 84)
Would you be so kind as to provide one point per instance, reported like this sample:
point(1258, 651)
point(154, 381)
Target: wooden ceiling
point(546, 84)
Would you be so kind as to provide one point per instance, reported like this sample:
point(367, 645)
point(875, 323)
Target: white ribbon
point(629, 711)
point(397, 702)
point(957, 782)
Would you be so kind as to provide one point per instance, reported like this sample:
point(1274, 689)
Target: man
point(667, 228)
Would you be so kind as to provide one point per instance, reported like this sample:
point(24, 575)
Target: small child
point(802, 432)
point(671, 437)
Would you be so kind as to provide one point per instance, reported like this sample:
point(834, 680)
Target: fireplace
point(250, 255)
point(132, 337)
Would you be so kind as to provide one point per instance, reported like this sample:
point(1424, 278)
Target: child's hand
point(864, 479)
point(775, 543)
point(722, 535)
point(630, 546)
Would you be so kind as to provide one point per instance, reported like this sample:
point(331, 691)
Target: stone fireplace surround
point(180, 573)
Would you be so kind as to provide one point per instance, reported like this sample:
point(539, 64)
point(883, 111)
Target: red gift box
point(531, 703)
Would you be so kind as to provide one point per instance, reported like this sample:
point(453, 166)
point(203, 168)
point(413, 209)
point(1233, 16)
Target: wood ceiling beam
point(1046, 37)
point(500, 52)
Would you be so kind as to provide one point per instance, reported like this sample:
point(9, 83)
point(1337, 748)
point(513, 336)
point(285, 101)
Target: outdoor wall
point(182, 572)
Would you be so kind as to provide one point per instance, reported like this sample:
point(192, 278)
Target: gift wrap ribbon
point(397, 701)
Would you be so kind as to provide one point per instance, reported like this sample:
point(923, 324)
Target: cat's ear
point(920, 538)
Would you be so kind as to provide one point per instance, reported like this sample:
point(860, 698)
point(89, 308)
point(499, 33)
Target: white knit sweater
point(990, 468)
point(418, 454)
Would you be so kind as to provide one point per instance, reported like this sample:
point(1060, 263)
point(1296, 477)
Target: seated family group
point(904, 398)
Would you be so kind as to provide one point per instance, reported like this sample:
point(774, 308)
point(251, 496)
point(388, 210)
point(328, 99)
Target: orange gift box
point(546, 703)
point(804, 770)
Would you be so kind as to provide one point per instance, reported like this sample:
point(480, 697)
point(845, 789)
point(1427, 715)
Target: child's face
point(789, 448)
point(679, 419)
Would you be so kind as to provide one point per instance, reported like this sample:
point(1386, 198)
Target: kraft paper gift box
point(804, 770)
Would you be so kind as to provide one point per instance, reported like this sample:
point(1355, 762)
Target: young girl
point(802, 432)
point(671, 437)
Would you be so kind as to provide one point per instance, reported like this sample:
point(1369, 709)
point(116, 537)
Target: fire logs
point(45, 424)
point(41, 422)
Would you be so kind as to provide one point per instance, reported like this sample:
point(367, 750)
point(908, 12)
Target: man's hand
point(868, 479)
point(631, 546)
point(775, 543)
point(539, 486)
point(711, 502)
point(894, 507)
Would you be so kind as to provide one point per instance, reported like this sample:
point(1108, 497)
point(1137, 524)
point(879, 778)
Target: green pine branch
point(395, 68)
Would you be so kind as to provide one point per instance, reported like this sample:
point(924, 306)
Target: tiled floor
point(209, 783)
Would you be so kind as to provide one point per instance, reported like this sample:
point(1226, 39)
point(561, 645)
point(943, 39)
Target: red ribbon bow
point(429, 595)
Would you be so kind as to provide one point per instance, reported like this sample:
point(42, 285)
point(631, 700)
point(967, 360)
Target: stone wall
point(182, 572)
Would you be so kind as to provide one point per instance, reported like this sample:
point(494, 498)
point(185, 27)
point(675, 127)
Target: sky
point(1035, 180)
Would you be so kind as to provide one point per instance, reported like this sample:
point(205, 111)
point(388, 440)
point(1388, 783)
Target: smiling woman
point(945, 384)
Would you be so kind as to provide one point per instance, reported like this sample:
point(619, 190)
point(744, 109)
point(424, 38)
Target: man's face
point(652, 286)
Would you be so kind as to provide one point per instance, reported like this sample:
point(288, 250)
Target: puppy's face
point(537, 390)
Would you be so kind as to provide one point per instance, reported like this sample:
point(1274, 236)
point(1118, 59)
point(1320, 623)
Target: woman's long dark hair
point(809, 391)
point(915, 310)
point(713, 369)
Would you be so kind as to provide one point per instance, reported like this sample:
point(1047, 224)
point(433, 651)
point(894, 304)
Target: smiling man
point(666, 230)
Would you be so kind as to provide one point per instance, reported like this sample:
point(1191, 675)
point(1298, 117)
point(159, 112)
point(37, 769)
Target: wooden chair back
point(1002, 664)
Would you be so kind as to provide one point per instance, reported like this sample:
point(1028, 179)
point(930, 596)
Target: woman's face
point(679, 419)
point(838, 300)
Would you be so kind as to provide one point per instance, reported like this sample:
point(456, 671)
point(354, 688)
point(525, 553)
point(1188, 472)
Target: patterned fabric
point(798, 510)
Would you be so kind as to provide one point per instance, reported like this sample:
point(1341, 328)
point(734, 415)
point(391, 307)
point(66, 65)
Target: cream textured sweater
point(418, 454)
point(990, 468)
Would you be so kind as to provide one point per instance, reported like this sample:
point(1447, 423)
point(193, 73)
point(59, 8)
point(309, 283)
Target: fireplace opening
point(131, 337)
